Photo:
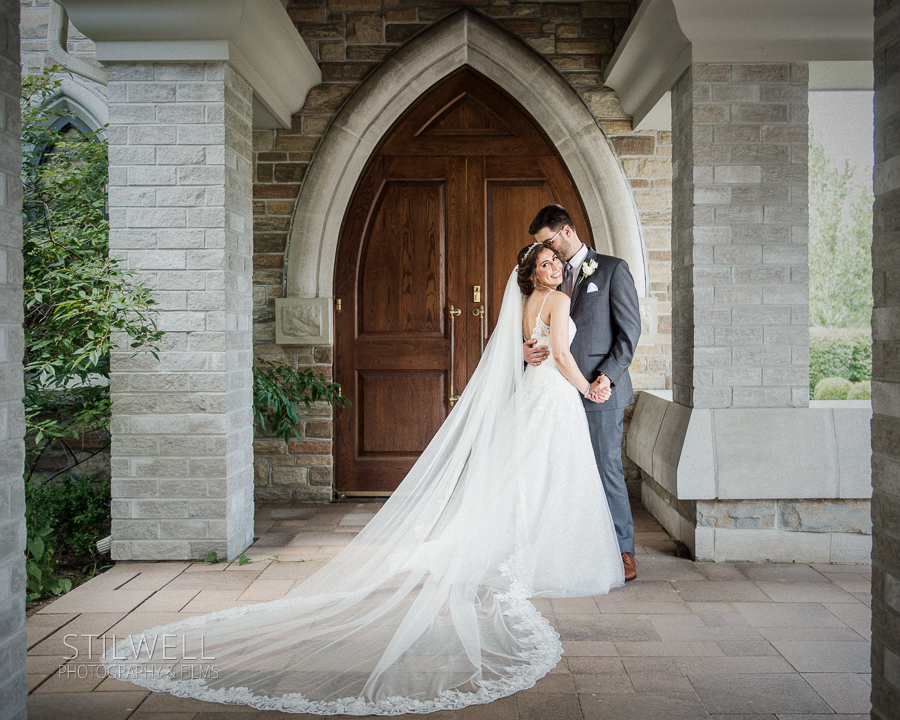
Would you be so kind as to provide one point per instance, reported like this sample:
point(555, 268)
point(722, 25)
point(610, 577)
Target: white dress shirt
point(575, 264)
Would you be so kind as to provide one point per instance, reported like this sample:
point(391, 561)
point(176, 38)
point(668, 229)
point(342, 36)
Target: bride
point(427, 608)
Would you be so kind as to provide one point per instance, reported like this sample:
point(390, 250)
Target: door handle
point(454, 313)
point(479, 313)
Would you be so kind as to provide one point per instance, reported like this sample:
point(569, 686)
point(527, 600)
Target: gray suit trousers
point(606, 439)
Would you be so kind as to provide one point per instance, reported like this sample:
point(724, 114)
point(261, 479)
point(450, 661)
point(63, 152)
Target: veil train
point(425, 610)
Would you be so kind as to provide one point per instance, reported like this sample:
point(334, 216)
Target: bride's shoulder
point(558, 300)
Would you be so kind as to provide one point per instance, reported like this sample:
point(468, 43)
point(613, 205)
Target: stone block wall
point(349, 38)
point(765, 530)
point(181, 213)
point(739, 240)
point(886, 367)
point(13, 688)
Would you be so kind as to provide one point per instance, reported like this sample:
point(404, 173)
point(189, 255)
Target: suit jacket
point(608, 320)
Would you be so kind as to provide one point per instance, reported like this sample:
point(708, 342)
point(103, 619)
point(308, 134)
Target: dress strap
point(545, 300)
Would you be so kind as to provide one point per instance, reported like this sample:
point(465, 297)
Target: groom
point(606, 314)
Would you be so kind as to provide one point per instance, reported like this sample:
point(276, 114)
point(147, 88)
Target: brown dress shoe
point(630, 563)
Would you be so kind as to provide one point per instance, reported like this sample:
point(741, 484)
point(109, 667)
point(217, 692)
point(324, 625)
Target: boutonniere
point(587, 269)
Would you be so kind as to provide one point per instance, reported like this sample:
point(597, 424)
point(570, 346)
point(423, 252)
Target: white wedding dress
point(426, 609)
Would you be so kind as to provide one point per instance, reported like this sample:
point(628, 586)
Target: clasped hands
point(601, 389)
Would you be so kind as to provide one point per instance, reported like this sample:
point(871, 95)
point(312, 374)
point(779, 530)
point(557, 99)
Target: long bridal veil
point(424, 610)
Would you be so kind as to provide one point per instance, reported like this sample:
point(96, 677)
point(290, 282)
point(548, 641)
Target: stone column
point(12, 419)
point(181, 216)
point(886, 368)
point(739, 236)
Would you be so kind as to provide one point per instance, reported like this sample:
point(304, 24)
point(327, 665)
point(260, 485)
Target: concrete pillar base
point(757, 485)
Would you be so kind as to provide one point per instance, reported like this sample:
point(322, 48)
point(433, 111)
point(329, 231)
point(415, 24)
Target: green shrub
point(833, 388)
point(860, 391)
point(77, 510)
point(839, 352)
point(64, 519)
point(40, 564)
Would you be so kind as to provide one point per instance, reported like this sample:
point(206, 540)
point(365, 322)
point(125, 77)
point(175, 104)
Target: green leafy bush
point(64, 519)
point(40, 564)
point(839, 352)
point(860, 391)
point(77, 510)
point(833, 388)
point(279, 389)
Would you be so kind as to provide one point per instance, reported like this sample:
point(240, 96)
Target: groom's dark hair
point(551, 216)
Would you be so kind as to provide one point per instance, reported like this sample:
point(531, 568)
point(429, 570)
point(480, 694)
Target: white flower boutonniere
point(587, 268)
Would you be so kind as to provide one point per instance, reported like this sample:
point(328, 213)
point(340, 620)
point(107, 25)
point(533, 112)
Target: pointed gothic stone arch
point(464, 38)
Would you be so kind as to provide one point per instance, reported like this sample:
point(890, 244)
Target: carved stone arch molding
point(464, 38)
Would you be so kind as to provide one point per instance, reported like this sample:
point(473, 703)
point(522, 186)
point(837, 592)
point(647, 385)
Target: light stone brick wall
point(886, 367)
point(739, 237)
point(181, 216)
point(13, 689)
point(646, 158)
point(765, 530)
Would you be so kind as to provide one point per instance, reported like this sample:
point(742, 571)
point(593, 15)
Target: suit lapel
point(580, 283)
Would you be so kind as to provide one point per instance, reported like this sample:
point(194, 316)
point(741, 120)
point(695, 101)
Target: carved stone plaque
point(303, 321)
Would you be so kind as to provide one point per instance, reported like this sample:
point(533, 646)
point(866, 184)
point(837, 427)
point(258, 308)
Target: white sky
point(843, 124)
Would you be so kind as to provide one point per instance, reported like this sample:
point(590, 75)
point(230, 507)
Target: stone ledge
point(823, 451)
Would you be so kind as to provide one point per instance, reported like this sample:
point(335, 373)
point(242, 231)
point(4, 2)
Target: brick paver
point(685, 640)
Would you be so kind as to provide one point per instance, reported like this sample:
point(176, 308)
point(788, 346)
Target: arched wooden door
point(433, 228)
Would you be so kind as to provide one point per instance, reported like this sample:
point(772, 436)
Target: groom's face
point(561, 241)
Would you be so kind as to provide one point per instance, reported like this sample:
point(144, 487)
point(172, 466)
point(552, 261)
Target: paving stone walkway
point(685, 640)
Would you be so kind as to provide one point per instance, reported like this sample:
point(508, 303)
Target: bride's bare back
point(536, 305)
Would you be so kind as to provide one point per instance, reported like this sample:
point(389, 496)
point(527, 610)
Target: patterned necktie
point(566, 286)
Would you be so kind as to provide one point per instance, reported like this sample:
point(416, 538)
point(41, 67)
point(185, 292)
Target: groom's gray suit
point(608, 321)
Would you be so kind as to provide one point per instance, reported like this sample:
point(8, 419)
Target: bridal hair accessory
point(528, 251)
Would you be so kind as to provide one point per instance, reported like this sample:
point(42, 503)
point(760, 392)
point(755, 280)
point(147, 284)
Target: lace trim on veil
point(542, 653)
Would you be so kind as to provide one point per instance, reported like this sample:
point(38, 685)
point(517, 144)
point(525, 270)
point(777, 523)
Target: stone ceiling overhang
point(667, 36)
point(256, 37)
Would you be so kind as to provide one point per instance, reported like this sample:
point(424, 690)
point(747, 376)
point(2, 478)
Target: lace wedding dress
point(426, 609)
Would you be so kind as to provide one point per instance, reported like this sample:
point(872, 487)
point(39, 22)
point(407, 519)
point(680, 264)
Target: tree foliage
point(77, 298)
point(840, 243)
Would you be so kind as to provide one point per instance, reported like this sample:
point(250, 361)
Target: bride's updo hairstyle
point(528, 264)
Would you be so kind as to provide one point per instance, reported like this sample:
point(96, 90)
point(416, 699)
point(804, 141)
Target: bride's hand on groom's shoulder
point(535, 354)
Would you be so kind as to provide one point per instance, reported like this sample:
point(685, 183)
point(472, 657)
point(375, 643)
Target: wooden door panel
point(492, 123)
point(399, 412)
point(384, 353)
point(401, 270)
